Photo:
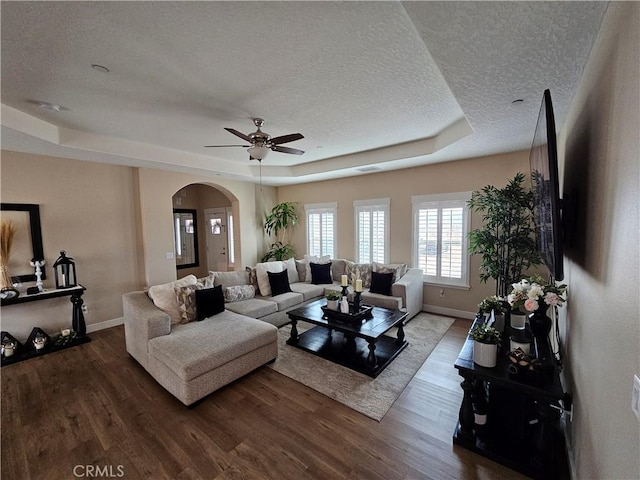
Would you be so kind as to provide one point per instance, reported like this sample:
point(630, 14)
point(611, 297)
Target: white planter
point(332, 304)
point(518, 320)
point(485, 354)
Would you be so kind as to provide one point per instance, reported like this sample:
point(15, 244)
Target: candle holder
point(38, 264)
point(345, 291)
point(357, 298)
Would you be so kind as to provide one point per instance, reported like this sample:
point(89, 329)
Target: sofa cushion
point(308, 290)
point(230, 279)
point(238, 293)
point(164, 296)
point(209, 302)
point(199, 347)
point(186, 298)
point(320, 273)
point(384, 301)
point(381, 283)
point(286, 300)
point(398, 269)
point(253, 307)
point(263, 278)
point(279, 282)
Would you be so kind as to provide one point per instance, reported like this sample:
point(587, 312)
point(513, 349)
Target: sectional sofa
point(191, 359)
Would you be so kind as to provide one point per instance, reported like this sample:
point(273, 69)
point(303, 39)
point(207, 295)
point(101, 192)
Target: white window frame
point(319, 208)
point(440, 201)
point(379, 204)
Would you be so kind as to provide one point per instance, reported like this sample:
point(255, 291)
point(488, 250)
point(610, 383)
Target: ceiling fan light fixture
point(259, 152)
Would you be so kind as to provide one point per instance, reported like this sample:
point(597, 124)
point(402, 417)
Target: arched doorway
point(203, 230)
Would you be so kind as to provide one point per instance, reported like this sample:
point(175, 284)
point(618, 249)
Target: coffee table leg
point(371, 359)
point(400, 334)
point(293, 338)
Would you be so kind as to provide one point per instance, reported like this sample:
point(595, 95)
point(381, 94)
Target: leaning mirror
point(185, 230)
point(27, 244)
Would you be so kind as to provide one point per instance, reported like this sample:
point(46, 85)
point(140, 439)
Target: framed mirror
point(185, 229)
point(27, 243)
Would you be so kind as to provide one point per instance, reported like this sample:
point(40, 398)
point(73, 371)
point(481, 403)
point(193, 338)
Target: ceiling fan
point(261, 142)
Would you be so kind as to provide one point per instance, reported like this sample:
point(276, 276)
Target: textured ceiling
point(383, 84)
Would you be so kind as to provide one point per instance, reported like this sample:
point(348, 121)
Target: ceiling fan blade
point(238, 134)
point(294, 151)
point(243, 146)
point(292, 137)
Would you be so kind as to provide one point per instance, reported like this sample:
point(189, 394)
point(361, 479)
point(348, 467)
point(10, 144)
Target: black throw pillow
point(209, 302)
point(381, 283)
point(320, 273)
point(279, 282)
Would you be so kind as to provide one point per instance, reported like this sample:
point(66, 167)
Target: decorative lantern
point(64, 270)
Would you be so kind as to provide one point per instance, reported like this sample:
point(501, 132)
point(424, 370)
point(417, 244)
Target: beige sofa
point(192, 360)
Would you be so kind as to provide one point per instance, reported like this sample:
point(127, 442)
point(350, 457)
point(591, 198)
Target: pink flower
point(530, 304)
point(552, 299)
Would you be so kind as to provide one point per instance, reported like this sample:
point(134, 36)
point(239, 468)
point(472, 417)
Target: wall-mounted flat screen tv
point(543, 159)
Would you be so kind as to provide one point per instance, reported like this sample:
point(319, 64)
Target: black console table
point(78, 324)
point(521, 429)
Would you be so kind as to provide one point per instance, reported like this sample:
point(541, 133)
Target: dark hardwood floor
point(93, 410)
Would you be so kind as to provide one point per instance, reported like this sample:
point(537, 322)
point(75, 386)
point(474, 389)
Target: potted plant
point(332, 300)
point(506, 239)
point(278, 222)
point(485, 345)
point(498, 306)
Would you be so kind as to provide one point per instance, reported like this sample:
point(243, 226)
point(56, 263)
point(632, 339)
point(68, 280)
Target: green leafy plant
point(482, 334)
point(506, 239)
point(278, 222)
point(493, 303)
point(333, 295)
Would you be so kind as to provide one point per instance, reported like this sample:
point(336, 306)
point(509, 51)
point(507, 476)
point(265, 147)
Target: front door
point(217, 255)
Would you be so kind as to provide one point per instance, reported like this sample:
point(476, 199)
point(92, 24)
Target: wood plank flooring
point(93, 409)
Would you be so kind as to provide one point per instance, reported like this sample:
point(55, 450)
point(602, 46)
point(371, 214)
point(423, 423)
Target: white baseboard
point(451, 312)
point(94, 327)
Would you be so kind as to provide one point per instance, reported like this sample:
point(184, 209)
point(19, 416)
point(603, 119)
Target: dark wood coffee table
point(361, 346)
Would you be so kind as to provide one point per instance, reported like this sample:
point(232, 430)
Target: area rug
point(372, 397)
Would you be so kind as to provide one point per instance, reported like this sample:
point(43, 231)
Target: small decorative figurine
point(38, 264)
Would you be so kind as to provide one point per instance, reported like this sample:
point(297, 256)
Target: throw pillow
point(313, 259)
point(209, 302)
point(398, 269)
point(239, 292)
point(279, 282)
point(263, 278)
point(320, 273)
point(292, 271)
point(361, 271)
point(381, 283)
point(186, 299)
point(164, 296)
point(253, 277)
point(301, 267)
point(230, 279)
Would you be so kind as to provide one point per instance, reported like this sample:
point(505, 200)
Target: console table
point(521, 429)
point(77, 321)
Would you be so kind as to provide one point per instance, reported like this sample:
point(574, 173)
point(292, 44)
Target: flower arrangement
point(493, 302)
point(484, 334)
point(533, 292)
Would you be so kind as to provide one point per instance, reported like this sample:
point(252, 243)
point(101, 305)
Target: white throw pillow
point(314, 259)
point(263, 277)
point(292, 271)
point(164, 296)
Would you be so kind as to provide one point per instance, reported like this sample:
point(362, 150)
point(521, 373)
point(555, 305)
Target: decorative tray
point(365, 313)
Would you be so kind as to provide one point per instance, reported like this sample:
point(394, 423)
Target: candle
point(358, 285)
point(344, 280)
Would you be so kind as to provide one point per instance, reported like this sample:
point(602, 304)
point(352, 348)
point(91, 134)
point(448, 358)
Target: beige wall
point(88, 210)
point(601, 325)
point(400, 186)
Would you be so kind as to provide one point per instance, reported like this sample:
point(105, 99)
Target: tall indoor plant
point(278, 222)
point(506, 239)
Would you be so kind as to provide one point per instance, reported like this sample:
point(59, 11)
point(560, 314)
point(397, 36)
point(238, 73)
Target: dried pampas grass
point(8, 230)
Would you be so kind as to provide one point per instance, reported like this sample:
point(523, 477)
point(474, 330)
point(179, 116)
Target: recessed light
point(100, 68)
point(519, 100)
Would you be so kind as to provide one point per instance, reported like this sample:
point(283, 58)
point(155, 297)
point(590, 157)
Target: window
point(232, 249)
point(372, 230)
point(440, 226)
point(321, 229)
